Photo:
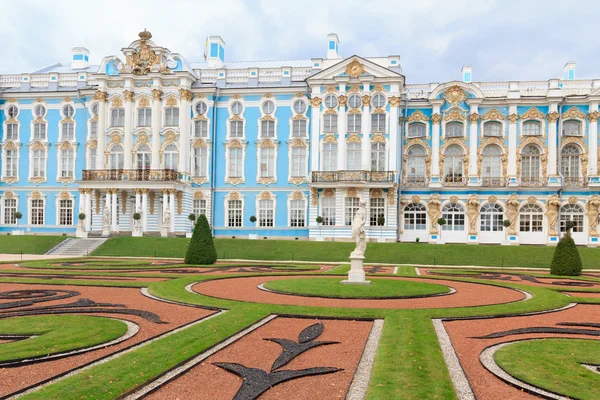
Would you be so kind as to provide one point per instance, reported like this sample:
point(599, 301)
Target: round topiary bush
point(201, 250)
point(566, 260)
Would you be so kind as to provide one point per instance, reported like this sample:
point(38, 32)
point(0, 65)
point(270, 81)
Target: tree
point(136, 217)
point(506, 223)
point(441, 222)
point(381, 222)
point(566, 260)
point(81, 216)
point(319, 220)
point(192, 219)
point(253, 220)
point(201, 250)
point(18, 216)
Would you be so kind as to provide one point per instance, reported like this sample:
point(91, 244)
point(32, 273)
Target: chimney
point(570, 71)
point(215, 52)
point(467, 73)
point(333, 46)
point(81, 58)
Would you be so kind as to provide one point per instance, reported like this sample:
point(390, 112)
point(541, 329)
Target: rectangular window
point(67, 161)
point(200, 161)
point(39, 131)
point(172, 116)
point(299, 128)
point(298, 161)
point(117, 117)
point(297, 213)
point(236, 128)
point(353, 153)
point(39, 163)
point(37, 212)
point(378, 157)
point(330, 157)
point(328, 211)
point(199, 207)
point(330, 123)
point(378, 123)
point(350, 209)
point(11, 163)
point(12, 131)
point(65, 212)
point(234, 213)
point(92, 159)
point(201, 128)
point(94, 130)
point(235, 163)
point(377, 209)
point(267, 128)
point(266, 213)
point(267, 162)
point(354, 122)
point(68, 131)
point(10, 208)
point(144, 117)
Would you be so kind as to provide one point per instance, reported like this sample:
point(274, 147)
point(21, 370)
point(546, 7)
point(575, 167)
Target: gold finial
point(145, 35)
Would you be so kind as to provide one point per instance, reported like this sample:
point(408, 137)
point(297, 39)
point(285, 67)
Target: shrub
point(566, 260)
point(319, 219)
point(192, 217)
point(81, 216)
point(137, 216)
point(201, 250)
point(418, 240)
point(252, 219)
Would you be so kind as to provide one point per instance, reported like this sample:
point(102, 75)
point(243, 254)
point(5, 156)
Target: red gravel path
point(467, 294)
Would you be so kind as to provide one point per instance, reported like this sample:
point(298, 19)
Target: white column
point(339, 207)
point(156, 118)
point(315, 122)
point(552, 137)
point(172, 209)
point(593, 140)
point(435, 146)
point(184, 129)
point(88, 209)
point(144, 209)
point(114, 227)
point(100, 158)
point(366, 130)
point(512, 149)
point(342, 128)
point(473, 118)
point(138, 198)
point(128, 139)
point(392, 149)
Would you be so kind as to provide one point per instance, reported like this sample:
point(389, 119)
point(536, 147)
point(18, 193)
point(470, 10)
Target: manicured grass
point(530, 362)
point(393, 253)
point(28, 244)
point(379, 288)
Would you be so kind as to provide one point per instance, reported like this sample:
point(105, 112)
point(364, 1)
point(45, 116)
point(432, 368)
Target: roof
point(257, 64)
point(63, 69)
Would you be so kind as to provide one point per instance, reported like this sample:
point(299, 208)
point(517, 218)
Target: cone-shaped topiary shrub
point(201, 250)
point(566, 260)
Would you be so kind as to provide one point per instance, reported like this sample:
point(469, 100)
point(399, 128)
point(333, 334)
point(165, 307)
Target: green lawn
point(400, 253)
point(28, 244)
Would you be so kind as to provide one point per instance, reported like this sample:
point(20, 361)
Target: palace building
point(146, 138)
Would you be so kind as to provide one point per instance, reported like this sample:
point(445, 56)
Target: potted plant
point(506, 223)
point(80, 231)
point(441, 222)
point(18, 216)
point(137, 229)
point(418, 239)
point(319, 220)
point(192, 218)
point(381, 223)
point(253, 235)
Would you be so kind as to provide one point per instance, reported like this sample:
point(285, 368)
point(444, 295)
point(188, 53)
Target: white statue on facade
point(358, 230)
point(106, 215)
point(167, 219)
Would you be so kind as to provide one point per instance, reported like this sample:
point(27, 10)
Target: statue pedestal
point(105, 230)
point(357, 272)
point(80, 231)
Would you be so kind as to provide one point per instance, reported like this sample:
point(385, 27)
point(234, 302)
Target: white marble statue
point(167, 219)
point(106, 215)
point(358, 230)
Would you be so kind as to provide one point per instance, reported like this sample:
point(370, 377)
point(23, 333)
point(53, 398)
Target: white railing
point(494, 89)
point(300, 74)
point(67, 80)
point(576, 87)
point(10, 80)
point(417, 91)
point(533, 88)
point(270, 74)
point(238, 75)
point(39, 80)
point(207, 75)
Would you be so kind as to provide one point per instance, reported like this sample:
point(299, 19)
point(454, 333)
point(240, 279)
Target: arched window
point(491, 166)
point(491, 218)
point(493, 129)
point(143, 157)
point(454, 129)
point(573, 213)
point(531, 218)
point(354, 157)
point(530, 164)
point(416, 170)
point(453, 164)
point(569, 164)
point(417, 129)
point(330, 157)
point(171, 156)
point(116, 157)
point(378, 157)
point(415, 217)
point(532, 128)
point(572, 128)
point(454, 214)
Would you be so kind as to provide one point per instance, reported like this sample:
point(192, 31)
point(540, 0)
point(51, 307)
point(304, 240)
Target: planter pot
point(320, 238)
point(188, 235)
point(17, 232)
point(253, 236)
point(137, 233)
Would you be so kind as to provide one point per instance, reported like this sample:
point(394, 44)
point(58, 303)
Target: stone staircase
point(73, 247)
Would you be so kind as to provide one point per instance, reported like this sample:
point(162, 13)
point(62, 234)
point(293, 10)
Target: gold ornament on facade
point(315, 101)
point(171, 101)
point(376, 193)
point(417, 116)
point(234, 181)
point(198, 143)
point(198, 195)
point(8, 195)
point(434, 212)
point(394, 101)
point(352, 192)
point(415, 199)
point(298, 180)
point(266, 181)
point(553, 117)
point(366, 100)
point(330, 111)
point(151, 197)
point(455, 95)
point(329, 193)
point(592, 208)
point(378, 138)
point(330, 89)
point(454, 115)
point(64, 195)
point(265, 195)
point(115, 85)
point(235, 144)
point(593, 116)
point(143, 138)
point(496, 142)
point(392, 196)
point(355, 69)
point(115, 138)
point(36, 195)
point(573, 200)
point(179, 196)
point(128, 95)
point(12, 146)
point(354, 89)
point(144, 102)
point(143, 84)
point(141, 61)
point(117, 102)
point(123, 202)
point(552, 206)
point(454, 199)
point(298, 143)
point(493, 115)
point(170, 83)
point(404, 200)
point(531, 199)
point(199, 180)
point(313, 196)
point(463, 146)
point(157, 94)
point(186, 94)
point(513, 118)
point(573, 113)
point(297, 195)
point(266, 143)
point(330, 139)
point(543, 157)
point(492, 199)
point(353, 139)
point(234, 196)
point(97, 201)
point(533, 113)
point(12, 100)
point(342, 100)
point(474, 117)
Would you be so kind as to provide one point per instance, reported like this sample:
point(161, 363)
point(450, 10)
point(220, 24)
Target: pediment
point(355, 67)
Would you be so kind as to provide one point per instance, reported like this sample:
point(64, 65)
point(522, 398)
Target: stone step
point(76, 247)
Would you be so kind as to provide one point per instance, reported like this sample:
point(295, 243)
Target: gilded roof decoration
point(36, 195)
point(376, 193)
point(64, 195)
point(265, 143)
point(8, 195)
point(234, 144)
point(297, 195)
point(157, 94)
point(493, 115)
point(265, 195)
point(329, 192)
point(298, 143)
point(234, 195)
point(352, 192)
point(593, 116)
point(315, 101)
point(573, 200)
point(394, 101)
point(330, 89)
point(198, 195)
point(455, 95)
point(128, 94)
point(377, 139)
point(532, 199)
point(378, 88)
point(355, 69)
point(354, 89)
point(141, 60)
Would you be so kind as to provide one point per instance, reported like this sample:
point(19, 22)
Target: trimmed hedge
point(566, 260)
point(201, 249)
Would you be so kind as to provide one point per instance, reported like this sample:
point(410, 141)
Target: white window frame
point(303, 133)
point(354, 119)
point(32, 164)
point(171, 116)
point(70, 168)
point(120, 117)
point(59, 209)
point(528, 218)
point(30, 201)
point(164, 156)
point(379, 128)
point(89, 164)
point(3, 215)
point(571, 121)
point(292, 210)
point(203, 163)
point(147, 121)
point(260, 210)
point(350, 209)
point(411, 216)
point(228, 162)
point(354, 163)
point(303, 169)
point(411, 124)
point(17, 157)
point(490, 124)
point(332, 156)
point(490, 219)
point(328, 120)
point(198, 207)
point(329, 217)
point(376, 161)
point(227, 211)
point(200, 128)
point(15, 134)
point(260, 155)
point(464, 129)
point(236, 118)
point(373, 218)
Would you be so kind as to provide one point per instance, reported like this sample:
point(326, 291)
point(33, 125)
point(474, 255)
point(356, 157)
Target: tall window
point(11, 163)
point(68, 131)
point(92, 159)
point(297, 213)
point(351, 206)
point(266, 213)
point(416, 169)
point(491, 218)
point(200, 161)
point(39, 163)
point(492, 129)
point(37, 212)
point(415, 217)
point(117, 117)
point(330, 123)
point(572, 128)
point(171, 157)
point(67, 163)
point(298, 161)
point(353, 154)
point(573, 213)
point(417, 129)
point(453, 164)
point(267, 162)
point(354, 122)
point(267, 128)
point(65, 212)
point(329, 156)
point(532, 128)
point(454, 214)
point(454, 129)
point(530, 164)
point(93, 129)
point(39, 131)
point(236, 128)
point(143, 157)
point(531, 218)
point(171, 116)
point(12, 131)
point(328, 210)
point(201, 128)
point(145, 117)
point(378, 123)
point(199, 207)
point(116, 157)
point(299, 127)
point(376, 210)
point(569, 163)
point(378, 157)
point(234, 213)
point(236, 160)
point(10, 208)
point(491, 166)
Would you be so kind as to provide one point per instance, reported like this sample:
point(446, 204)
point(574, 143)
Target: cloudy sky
point(501, 39)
